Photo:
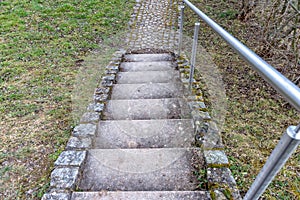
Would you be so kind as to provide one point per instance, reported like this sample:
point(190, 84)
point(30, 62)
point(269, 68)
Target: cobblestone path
point(154, 25)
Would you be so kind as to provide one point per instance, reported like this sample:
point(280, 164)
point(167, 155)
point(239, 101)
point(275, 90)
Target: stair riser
point(147, 77)
point(148, 57)
point(146, 109)
point(147, 66)
point(147, 91)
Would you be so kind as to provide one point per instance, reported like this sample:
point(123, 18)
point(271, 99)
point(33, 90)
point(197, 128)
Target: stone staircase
point(145, 136)
point(143, 148)
point(137, 140)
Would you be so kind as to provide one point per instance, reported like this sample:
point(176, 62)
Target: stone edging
point(68, 166)
point(221, 183)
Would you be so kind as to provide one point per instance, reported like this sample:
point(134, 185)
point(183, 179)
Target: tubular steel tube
point(181, 29)
point(286, 146)
point(283, 85)
point(194, 52)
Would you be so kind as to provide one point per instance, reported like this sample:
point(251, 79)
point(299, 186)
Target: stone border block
point(90, 117)
point(112, 69)
point(71, 158)
point(56, 196)
point(100, 98)
point(212, 141)
point(197, 105)
point(201, 116)
point(79, 143)
point(110, 77)
point(220, 176)
point(107, 83)
point(207, 137)
point(215, 158)
point(116, 62)
point(96, 107)
point(235, 193)
point(225, 194)
point(85, 130)
point(64, 178)
point(218, 195)
point(222, 184)
point(201, 127)
point(102, 90)
point(68, 165)
point(111, 72)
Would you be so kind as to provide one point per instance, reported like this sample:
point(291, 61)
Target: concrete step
point(146, 109)
point(147, 77)
point(147, 66)
point(160, 169)
point(141, 195)
point(147, 91)
point(145, 134)
point(148, 57)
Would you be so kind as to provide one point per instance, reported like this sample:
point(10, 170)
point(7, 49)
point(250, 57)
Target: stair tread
point(147, 77)
point(145, 134)
point(147, 66)
point(142, 109)
point(159, 169)
point(141, 195)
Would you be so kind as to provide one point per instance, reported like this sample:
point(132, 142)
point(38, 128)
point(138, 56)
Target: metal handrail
point(291, 138)
point(279, 82)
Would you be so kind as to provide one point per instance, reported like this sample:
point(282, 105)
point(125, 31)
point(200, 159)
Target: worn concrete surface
point(142, 109)
point(147, 77)
point(165, 169)
point(145, 134)
point(147, 66)
point(147, 91)
point(144, 195)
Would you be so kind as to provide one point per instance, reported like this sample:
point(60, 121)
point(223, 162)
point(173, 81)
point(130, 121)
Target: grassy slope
point(257, 116)
point(42, 44)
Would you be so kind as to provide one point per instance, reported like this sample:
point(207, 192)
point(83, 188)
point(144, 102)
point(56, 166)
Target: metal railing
point(291, 138)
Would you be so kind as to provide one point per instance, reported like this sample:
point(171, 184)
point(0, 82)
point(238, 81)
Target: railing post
point(194, 52)
point(286, 146)
point(181, 28)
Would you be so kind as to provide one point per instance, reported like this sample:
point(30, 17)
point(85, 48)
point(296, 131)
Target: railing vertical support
point(181, 28)
point(286, 146)
point(194, 52)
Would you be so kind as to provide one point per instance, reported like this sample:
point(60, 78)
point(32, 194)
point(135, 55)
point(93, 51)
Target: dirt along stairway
point(144, 145)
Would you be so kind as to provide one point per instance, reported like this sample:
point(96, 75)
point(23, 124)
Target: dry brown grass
point(256, 116)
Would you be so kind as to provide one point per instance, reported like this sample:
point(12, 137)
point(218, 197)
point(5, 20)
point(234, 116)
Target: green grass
point(256, 114)
point(43, 45)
